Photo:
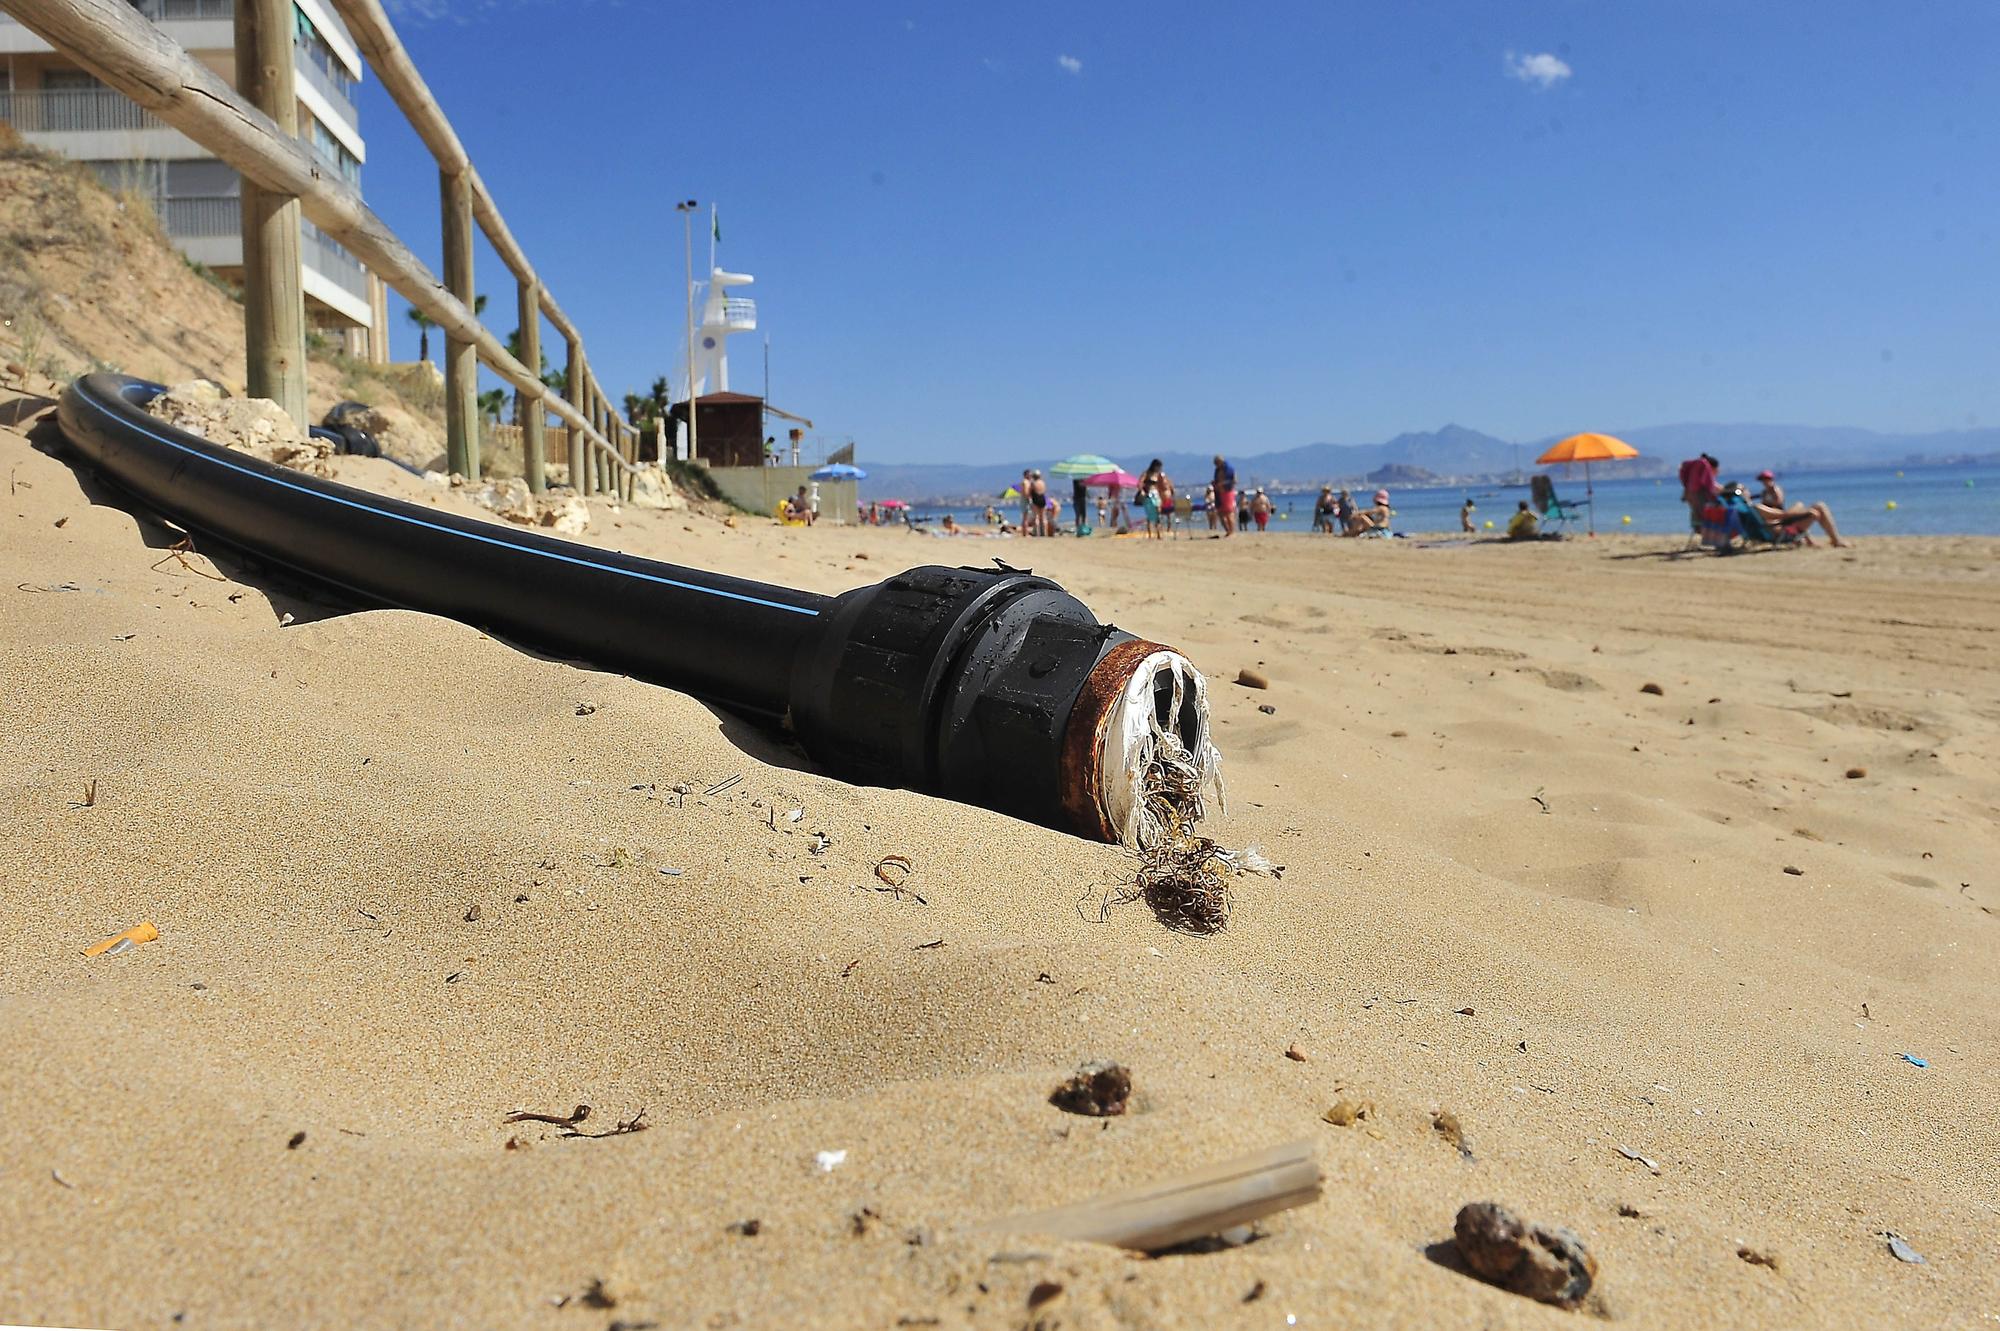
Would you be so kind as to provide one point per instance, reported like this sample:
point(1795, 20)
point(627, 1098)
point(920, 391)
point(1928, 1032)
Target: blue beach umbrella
point(840, 471)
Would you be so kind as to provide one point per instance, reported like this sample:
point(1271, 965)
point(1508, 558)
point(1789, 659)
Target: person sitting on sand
point(1771, 506)
point(802, 508)
point(1524, 525)
point(949, 525)
point(1373, 518)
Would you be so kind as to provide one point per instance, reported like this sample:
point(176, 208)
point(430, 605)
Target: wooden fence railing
point(251, 127)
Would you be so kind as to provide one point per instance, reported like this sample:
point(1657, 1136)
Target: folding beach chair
point(1554, 512)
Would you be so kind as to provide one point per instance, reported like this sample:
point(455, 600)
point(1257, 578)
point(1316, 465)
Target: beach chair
point(1555, 513)
point(1717, 525)
point(1759, 530)
point(1731, 523)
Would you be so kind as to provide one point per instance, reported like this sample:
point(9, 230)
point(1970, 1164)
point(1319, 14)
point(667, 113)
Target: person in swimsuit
point(1038, 501)
point(1225, 494)
point(1372, 518)
point(1771, 506)
point(1149, 498)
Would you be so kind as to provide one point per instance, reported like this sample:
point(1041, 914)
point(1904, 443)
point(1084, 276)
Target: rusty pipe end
point(1142, 701)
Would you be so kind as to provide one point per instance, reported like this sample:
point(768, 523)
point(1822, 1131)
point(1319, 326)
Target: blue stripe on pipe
point(316, 493)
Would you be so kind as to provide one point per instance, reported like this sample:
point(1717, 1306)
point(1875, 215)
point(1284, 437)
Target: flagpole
point(687, 210)
point(713, 227)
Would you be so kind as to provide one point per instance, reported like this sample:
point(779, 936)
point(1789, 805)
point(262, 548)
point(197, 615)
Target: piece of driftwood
point(1192, 1206)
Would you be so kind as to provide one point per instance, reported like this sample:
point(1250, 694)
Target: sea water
point(1959, 500)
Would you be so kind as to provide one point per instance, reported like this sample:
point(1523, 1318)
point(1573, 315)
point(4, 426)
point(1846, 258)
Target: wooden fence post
point(534, 416)
point(461, 359)
point(572, 390)
point(274, 314)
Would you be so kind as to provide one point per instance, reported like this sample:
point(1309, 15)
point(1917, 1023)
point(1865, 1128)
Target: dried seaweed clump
point(1183, 876)
point(1099, 1090)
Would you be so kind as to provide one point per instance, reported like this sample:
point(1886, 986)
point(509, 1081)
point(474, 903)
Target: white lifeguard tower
point(721, 315)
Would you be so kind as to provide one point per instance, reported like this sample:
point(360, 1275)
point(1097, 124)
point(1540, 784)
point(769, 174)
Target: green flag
point(715, 224)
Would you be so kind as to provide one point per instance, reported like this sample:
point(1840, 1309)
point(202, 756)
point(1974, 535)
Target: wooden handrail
point(113, 41)
point(376, 36)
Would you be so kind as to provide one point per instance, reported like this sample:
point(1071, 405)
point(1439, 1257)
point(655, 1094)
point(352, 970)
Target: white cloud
point(1543, 70)
point(1070, 64)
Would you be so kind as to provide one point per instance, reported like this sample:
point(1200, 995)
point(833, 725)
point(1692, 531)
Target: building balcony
point(209, 230)
point(94, 125)
point(198, 25)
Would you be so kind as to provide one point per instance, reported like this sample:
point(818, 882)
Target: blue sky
point(989, 231)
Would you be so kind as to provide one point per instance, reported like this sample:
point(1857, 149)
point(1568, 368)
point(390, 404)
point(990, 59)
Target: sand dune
point(404, 888)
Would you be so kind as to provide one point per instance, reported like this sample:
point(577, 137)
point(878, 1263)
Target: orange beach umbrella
point(1589, 448)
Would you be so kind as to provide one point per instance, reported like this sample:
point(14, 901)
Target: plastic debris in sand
point(119, 944)
point(1902, 1251)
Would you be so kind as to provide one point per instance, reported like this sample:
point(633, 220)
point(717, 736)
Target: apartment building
point(58, 106)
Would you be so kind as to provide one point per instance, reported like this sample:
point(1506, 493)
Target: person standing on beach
point(1260, 508)
point(1149, 498)
point(1038, 505)
point(1027, 485)
point(1079, 498)
point(1225, 494)
point(1465, 515)
point(1208, 504)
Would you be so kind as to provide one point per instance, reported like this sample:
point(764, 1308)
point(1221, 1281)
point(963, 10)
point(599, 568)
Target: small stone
point(1795, 871)
point(585, 708)
point(749, 1229)
point(1267, 709)
point(1856, 773)
point(1653, 689)
point(1042, 1293)
point(1252, 679)
point(1345, 1113)
point(1399, 734)
point(1296, 1054)
point(1100, 1089)
point(298, 1140)
point(1535, 1261)
point(1446, 1125)
point(472, 914)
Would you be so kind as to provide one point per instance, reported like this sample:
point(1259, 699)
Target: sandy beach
point(409, 879)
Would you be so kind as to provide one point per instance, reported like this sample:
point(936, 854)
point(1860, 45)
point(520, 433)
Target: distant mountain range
point(1455, 453)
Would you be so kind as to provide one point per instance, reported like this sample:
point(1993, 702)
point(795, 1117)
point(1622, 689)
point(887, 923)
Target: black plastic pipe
point(963, 682)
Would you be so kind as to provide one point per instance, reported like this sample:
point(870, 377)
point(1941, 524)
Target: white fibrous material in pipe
point(1139, 748)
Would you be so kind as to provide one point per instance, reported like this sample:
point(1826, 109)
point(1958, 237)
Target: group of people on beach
point(1165, 508)
point(1338, 515)
point(1702, 489)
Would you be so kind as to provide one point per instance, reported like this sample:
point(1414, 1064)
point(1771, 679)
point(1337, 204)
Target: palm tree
point(424, 325)
point(491, 403)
